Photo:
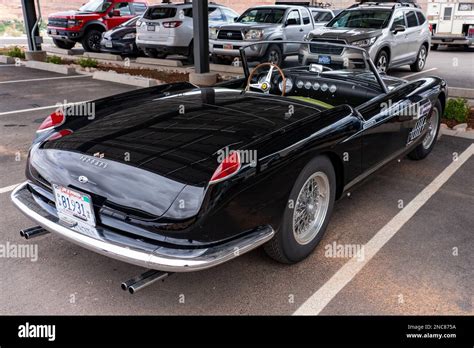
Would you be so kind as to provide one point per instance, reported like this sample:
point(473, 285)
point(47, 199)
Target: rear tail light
point(172, 24)
point(227, 168)
point(57, 118)
point(60, 134)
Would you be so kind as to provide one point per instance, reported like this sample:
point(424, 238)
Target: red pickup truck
point(87, 24)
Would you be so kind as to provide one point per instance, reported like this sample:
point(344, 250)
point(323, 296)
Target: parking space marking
point(321, 298)
point(40, 108)
point(8, 188)
point(421, 72)
point(45, 79)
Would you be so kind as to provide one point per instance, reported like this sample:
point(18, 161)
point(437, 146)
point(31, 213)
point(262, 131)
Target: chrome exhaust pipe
point(149, 277)
point(32, 232)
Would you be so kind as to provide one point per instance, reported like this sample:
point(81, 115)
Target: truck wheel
point(91, 40)
point(423, 150)
point(420, 61)
point(307, 213)
point(273, 55)
point(67, 45)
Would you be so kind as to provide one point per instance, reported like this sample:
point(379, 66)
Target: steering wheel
point(266, 85)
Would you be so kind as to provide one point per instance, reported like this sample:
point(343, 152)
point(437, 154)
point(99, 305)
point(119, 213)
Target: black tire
point(67, 45)
point(421, 151)
point(151, 53)
point(284, 247)
point(273, 55)
point(420, 61)
point(215, 59)
point(91, 40)
point(190, 55)
point(382, 61)
point(434, 47)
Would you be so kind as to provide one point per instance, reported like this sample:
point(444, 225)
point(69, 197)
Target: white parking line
point(45, 79)
point(39, 108)
point(8, 188)
point(321, 298)
point(421, 72)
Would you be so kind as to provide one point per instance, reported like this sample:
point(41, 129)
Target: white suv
point(168, 29)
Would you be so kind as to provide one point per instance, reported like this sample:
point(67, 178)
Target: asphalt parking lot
point(418, 258)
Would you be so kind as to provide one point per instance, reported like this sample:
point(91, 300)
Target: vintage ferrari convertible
point(178, 178)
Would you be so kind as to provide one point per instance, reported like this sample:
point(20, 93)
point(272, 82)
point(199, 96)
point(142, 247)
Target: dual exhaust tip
point(143, 280)
point(132, 286)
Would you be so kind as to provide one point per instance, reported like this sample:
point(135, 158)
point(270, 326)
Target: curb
point(458, 92)
point(456, 133)
point(56, 50)
point(104, 56)
point(156, 61)
point(126, 79)
point(57, 68)
point(7, 60)
point(226, 68)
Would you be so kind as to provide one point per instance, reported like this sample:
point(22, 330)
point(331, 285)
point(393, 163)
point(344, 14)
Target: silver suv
point(262, 23)
point(393, 34)
point(168, 29)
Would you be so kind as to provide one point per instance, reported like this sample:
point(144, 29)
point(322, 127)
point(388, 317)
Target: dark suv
point(87, 24)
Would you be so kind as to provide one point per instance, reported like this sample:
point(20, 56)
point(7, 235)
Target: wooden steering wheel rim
point(247, 88)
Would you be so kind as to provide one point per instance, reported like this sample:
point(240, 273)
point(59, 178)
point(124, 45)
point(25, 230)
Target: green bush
point(16, 52)
point(457, 109)
point(88, 63)
point(54, 60)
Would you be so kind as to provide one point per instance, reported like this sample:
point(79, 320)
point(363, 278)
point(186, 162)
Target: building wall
point(10, 9)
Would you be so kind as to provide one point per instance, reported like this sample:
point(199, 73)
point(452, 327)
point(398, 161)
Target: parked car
point(452, 22)
point(168, 29)
point(87, 24)
point(211, 173)
point(121, 39)
point(322, 16)
point(393, 34)
point(267, 23)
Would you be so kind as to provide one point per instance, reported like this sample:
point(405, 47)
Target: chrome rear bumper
point(141, 254)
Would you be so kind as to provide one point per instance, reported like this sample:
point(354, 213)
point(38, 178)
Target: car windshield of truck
point(95, 6)
point(321, 16)
point(262, 15)
point(371, 19)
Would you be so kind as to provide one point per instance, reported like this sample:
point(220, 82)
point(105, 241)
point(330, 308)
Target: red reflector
point(229, 166)
point(172, 24)
point(53, 120)
point(60, 134)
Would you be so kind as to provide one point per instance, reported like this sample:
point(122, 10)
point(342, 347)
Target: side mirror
point(290, 21)
point(114, 13)
point(398, 28)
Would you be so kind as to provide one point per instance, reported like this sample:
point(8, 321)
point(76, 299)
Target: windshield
point(372, 19)
point(322, 16)
point(262, 15)
point(95, 6)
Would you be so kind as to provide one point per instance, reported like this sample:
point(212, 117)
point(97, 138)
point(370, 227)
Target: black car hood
point(179, 136)
point(120, 32)
point(347, 34)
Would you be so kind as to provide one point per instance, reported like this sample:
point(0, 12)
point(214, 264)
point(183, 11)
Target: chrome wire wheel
point(432, 129)
point(311, 208)
point(422, 58)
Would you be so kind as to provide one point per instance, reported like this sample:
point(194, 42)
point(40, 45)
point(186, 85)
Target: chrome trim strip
point(183, 260)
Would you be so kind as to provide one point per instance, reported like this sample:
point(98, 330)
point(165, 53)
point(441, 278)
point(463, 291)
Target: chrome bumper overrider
point(149, 256)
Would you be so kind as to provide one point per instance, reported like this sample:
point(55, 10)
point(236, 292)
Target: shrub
point(16, 52)
point(88, 63)
point(457, 109)
point(54, 60)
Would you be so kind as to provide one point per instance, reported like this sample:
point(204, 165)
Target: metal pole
point(201, 36)
point(30, 19)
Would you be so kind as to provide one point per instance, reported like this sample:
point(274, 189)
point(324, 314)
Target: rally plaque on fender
point(74, 206)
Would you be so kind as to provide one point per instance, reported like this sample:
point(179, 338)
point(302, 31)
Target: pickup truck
point(87, 24)
point(262, 23)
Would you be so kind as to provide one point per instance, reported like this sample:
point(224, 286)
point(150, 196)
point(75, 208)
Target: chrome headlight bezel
point(254, 35)
point(365, 43)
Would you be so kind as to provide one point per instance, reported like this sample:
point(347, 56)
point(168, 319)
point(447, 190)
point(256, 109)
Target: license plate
point(228, 46)
point(150, 28)
point(324, 59)
point(109, 44)
point(54, 31)
point(74, 207)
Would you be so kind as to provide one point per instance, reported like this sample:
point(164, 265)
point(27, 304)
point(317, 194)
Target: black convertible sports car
point(179, 178)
